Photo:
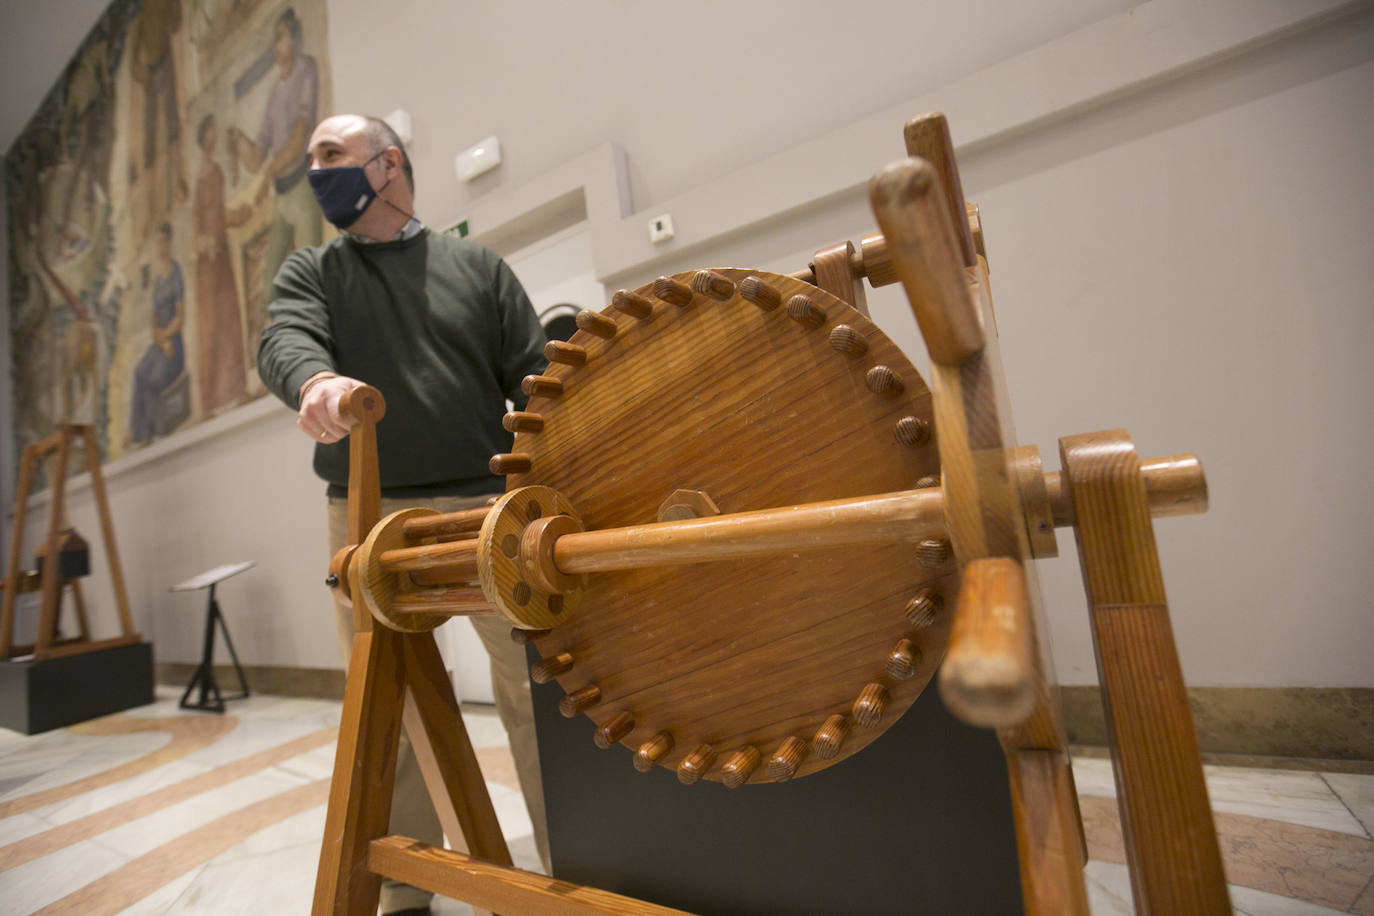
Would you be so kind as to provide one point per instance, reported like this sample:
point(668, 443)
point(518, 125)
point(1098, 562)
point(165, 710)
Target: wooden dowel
point(928, 137)
point(670, 290)
point(547, 669)
point(558, 351)
point(756, 290)
point(907, 516)
point(459, 601)
point(782, 766)
point(874, 262)
point(652, 751)
point(522, 637)
point(830, 737)
point(509, 463)
point(712, 284)
point(609, 734)
point(906, 200)
point(579, 701)
point(452, 556)
point(868, 709)
point(696, 764)
point(597, 325)
point(1174, 485)
point(804, 311)
point(632, 304)
point(446, 525)
point(987, 677)
point(740, 766)
point(542, 386)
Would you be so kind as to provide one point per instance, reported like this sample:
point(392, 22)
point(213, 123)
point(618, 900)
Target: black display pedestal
point(919, 822)
point(36, 696)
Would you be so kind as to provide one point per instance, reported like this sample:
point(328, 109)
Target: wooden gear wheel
point(732, 391)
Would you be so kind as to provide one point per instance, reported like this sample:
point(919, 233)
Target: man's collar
point(411, 229)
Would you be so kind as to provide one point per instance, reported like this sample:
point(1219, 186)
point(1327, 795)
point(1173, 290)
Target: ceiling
point(36, 44)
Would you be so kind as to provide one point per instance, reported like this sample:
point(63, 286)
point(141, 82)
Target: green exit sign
point(459, 229)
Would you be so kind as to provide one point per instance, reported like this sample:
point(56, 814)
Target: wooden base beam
point(496, 887)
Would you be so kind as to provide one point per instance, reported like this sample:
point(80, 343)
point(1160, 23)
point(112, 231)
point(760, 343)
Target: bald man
point(444, 330)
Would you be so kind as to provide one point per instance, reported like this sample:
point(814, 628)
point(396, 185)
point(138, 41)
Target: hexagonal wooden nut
point(685, 504)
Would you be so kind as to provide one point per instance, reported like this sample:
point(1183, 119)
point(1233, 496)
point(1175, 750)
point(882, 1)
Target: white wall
point(1177, 207)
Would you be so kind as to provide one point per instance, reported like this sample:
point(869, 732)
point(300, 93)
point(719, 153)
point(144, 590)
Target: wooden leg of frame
point(21, 501)
point(121, 595)
point(364, 775)
point(1048, 833)
point(1171, 841)
point(82, 623)
point(444, 752)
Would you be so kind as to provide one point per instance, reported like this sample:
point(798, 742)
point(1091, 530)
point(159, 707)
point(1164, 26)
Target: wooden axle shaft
point(1175, 485)
point(908, 515)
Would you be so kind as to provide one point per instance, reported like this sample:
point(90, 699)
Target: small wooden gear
point(751, 390)
point(511, 576)
point(378, 587)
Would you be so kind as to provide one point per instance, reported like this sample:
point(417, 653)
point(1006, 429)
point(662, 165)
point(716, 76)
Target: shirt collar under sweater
point(412, 228)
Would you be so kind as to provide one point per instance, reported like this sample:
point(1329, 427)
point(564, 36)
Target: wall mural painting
point(152, 198)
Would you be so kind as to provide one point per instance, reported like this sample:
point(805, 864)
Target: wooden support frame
point(998, 665)
point(1171, 840)
point(47, 643)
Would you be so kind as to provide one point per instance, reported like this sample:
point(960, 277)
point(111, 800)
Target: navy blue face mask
point(344, 192)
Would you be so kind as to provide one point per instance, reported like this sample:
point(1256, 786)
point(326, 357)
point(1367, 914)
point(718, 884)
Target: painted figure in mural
point(444, 329)
point(219, 319)
point(280, 149)
point(163, 361)
point(83, 113)
point(154, 68)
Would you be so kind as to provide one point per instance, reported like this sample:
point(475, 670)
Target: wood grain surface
point(1171, 842)
point(736, 400)
point(495, 887)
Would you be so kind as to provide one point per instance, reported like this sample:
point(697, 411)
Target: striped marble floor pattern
point(159, 811)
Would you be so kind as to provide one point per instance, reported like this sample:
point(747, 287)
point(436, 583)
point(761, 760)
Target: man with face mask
point(444, 330)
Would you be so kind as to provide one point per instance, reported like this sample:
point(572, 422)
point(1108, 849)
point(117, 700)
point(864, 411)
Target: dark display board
point(920, 822)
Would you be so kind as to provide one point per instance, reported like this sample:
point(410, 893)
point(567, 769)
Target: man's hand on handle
point(318, 416)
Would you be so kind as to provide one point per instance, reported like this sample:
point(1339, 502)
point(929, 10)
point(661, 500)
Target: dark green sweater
point(439, 325)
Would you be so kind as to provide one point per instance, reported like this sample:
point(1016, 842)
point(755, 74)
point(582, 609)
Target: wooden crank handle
point(988, 678)
point(927, 137)
point(362, 404)
point(363, 407)
point(907, 202)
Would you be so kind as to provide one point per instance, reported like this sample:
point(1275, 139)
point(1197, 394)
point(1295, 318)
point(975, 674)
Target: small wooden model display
point(744, 535)
point(62, 558)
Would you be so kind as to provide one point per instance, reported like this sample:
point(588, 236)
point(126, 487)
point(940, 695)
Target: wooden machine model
point(744, 535)
point(62, 557)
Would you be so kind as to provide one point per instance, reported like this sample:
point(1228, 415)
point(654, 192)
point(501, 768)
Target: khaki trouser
point(412, 813)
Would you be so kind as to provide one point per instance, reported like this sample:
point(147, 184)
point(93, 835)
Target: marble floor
point(162, 811)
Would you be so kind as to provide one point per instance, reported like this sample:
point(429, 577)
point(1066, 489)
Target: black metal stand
point(205, 674)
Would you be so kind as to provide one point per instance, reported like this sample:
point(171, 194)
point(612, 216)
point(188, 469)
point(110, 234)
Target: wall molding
point(1326, 723)
point(1240, 724)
